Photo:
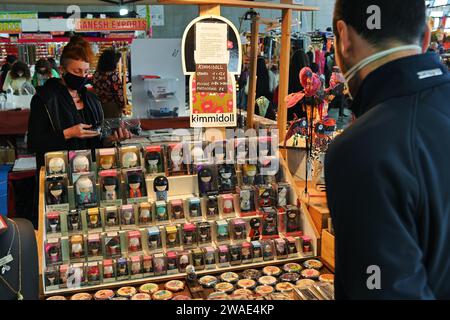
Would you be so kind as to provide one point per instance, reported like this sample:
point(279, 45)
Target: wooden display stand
point(184, 186)
point(327, 249)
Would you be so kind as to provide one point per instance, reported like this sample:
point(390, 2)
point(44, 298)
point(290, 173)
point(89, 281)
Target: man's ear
point(426, 38)
point(344, 38)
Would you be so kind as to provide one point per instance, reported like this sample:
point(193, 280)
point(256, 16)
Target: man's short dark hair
point(401, 21)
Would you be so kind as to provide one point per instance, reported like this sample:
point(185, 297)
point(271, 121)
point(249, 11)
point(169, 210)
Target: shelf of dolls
point(184, 187)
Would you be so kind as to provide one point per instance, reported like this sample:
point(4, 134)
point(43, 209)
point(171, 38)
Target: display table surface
point(14, 122)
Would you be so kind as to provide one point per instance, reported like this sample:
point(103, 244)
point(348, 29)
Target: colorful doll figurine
point(134, 182)
point(176, 157)
point(110, 185)
point(255, 229)
point(212, 206)
point(107, 162)
point(129, 160)
point(56, 191)
point(205, 177)
point(194, 209)
point(282, 196)
point(222, 232)
point(225, 178)
point(161, 211)
point(177, 212)
point(270, 224)
point(144, 213)
point(204, 232)
point(265, 199)
point(80, 164)
point(183, 262)
point(73, 220)
point(228, 204)
point(293, 220)
point(85, 190)
point(56, 166)
point(154, 162)
point(161, 186)
point(111, 217)
point(246, 200)
point(250, 171)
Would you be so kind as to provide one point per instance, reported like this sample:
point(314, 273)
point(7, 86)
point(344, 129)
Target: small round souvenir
point(239, 296)
point(304, 283)
point(251, 274)
point(284, 287)
point(310, 274)
point(272, 271)
point(56, 298)
point(149, 288)
point(327, 277)
point(292, 267)
point(208, 281)
point(81, 296)
point(224, 287)
point(141, 296)
point(264, 290)
point(120, 298)
point(280, 296)
point(267, 281)
point(104, 295)
point(290, 277)
point(181, 297)
point(313, 264)
point(242, 292)
point(246, 283)
point(218, 296)
point(175, 285)
point(229, 277)
point(162, 295)
point(126, 292)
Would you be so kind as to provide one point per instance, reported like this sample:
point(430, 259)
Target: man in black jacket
point(388, 175)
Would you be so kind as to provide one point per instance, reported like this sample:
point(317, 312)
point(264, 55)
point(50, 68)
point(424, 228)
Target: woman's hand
point(80, 131)
point(119, 135)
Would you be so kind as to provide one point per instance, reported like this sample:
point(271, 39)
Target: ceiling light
point(123, 11)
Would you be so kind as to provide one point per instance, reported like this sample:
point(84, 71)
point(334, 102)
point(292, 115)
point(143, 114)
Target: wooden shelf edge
point(242, 4)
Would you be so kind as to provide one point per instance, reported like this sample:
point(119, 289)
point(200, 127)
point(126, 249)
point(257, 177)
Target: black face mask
point(74, 82)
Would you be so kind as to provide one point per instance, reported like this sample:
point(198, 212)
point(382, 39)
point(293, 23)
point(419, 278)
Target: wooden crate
point(327, 252)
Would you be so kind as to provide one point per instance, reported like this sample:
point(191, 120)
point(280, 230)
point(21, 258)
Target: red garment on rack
point(320, 60)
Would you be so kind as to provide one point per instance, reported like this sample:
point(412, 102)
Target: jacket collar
point(398, 78)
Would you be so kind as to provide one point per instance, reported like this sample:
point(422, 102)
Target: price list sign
point(212, 78)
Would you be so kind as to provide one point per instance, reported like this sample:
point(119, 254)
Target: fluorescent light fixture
point(437, 14)
point(123, 11)
point(438, 3)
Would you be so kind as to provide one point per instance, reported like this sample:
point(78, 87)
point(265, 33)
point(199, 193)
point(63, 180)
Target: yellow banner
point(10, 27)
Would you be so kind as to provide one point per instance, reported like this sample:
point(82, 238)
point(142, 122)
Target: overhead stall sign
point(119, 24)
point(17, 15)
point(10, 26)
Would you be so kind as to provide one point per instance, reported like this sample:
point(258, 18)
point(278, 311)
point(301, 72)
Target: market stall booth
point(171, 206)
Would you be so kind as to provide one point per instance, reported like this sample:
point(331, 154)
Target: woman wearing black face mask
point(42, 72)
point(63, 113)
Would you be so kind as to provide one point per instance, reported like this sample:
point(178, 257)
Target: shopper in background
point(263, 88)
point(64, 114)
point(53, 63)
point(108, 84)
point(388, 175)
point(299, 61)
point(10, 60)
point(18, 79)
point(42, 72)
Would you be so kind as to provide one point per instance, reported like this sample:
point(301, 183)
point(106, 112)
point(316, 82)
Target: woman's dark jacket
point(52, 111)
